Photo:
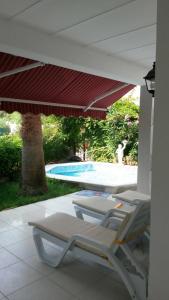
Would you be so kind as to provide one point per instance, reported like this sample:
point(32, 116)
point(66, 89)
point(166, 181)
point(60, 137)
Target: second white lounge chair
point(99, 207)
point(100, 244)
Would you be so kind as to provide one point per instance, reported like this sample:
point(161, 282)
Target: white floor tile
point(47, 203)
point(53, 250)
point(94, 266)
point(31, 216)
point(5, 226)
point(12, 236)
point(27, 208)
point(23, 249)
point(56, 203)
point(105, 289)
point(37, 264)
point(2, 296)
point(17, 219)
point(25, 228)
point(51, 205)
point(7, 259)
point(75, 277)
point(10, 217)
point(41, 290)
point(16, 276)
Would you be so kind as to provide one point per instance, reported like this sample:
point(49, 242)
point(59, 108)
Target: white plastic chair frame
point(119, 214)
point(80, 211)
point(134, 278)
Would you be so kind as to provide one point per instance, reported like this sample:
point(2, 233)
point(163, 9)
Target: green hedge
point(54, 149)
point(10, 156)
point(102, 154)
point(11, 148)
point(54, 145)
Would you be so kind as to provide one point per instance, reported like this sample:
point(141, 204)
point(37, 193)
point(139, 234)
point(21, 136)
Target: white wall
point(144, 142)
point(159, 250)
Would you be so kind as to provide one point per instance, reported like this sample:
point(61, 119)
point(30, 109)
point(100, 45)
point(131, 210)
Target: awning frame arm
point(106, 94)
point(64, 105)
point(21, 69)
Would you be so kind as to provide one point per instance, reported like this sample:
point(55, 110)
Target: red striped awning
point(55, 90)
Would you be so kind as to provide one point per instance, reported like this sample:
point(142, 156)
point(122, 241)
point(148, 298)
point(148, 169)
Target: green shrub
point(133, 154)
point(54, 149)
point(53, 144)
point(10, 156)
point(102, 154)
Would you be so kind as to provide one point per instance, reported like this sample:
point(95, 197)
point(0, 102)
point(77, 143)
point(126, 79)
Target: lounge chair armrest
point(117, 211)
point(114, 213)
point(91, 241)
point(135, 201)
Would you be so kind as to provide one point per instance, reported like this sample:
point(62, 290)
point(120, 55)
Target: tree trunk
point(33, 181)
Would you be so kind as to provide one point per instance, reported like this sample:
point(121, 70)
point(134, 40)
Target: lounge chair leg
point(53, 261)
point(78, 213)
point(130, 285)
point(134, 282)
point(147, 235)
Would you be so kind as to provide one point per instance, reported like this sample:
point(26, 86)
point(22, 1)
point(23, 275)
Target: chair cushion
point(102, 205)
point(63, 226)
point(130, 196)
point(97, 204)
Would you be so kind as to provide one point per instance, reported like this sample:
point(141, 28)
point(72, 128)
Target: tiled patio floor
point(24, 277)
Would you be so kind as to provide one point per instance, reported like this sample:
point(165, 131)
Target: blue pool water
point(71, 170)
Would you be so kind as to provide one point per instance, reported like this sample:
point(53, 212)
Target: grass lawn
point(10, 197)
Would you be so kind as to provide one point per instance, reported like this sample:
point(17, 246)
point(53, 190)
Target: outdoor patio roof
point(50, 89)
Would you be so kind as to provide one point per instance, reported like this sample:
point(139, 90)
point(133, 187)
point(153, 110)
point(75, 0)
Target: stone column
point(159, 246)
point(144, 157)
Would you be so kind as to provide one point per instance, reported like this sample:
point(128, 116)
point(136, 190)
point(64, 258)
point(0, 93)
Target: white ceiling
point(123, 29)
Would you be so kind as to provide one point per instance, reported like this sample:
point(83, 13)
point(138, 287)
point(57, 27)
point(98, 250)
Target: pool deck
point(24, 277)
point(108, 177)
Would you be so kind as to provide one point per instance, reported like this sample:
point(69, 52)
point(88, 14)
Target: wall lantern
point(150, 84)
point(150, 81)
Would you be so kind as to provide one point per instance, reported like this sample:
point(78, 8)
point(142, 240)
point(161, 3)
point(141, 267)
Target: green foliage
point(102, 136)
point(122, 108)
point(10, 196)
point(121, 123)
point(133, 154)
point(4, 128)
point(10, 156)
point(73, 132)
point(5, 119)
point(14, 117)
point(104, 153)
point(62, 136)
point(95, 132)
point(54, 145)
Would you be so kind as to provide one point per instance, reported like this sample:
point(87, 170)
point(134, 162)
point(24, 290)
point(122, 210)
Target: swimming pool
point(72, 170)
point(103, 176)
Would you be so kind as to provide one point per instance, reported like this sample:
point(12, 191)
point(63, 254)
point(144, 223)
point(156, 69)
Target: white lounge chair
point(99, 207)
point(100, 244)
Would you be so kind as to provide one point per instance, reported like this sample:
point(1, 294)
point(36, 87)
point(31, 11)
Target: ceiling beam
point(19, 39)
